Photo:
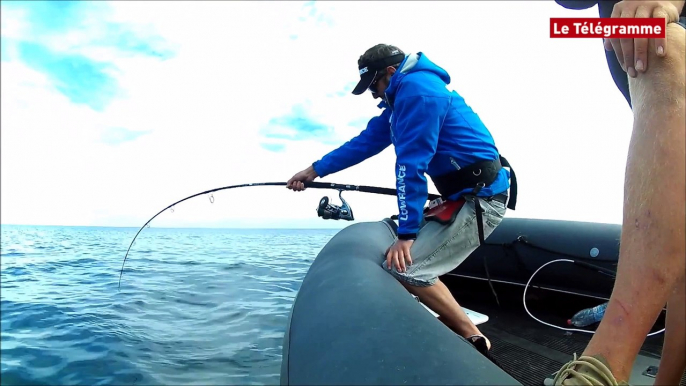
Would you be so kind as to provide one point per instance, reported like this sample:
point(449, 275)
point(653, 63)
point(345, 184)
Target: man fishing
point(434, 132)
point(652, 256)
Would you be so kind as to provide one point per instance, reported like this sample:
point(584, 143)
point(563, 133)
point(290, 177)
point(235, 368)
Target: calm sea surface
point(196, 306)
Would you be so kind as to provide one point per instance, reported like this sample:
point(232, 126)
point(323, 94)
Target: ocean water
point(196, 306)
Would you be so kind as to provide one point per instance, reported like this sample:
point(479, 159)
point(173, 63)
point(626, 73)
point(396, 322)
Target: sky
point(111, 111)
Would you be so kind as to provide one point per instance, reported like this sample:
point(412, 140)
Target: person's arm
point(371, 141)
point(419, 121)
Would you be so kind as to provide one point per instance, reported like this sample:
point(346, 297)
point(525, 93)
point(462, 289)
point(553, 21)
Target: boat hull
point(352, 323)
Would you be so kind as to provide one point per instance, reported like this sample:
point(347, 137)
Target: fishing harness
point(477, 176)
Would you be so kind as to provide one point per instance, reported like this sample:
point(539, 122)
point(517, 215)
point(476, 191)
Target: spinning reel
point(329, 211)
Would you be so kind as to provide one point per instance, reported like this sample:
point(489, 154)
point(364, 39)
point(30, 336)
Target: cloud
point(78, 25)
point(125, 39)
point(311, 12)
point(360, 123)
point(82, 80)
point(117, 135)
point(297, 126)
point(47, 17)
point(345, 91)
point(274, 147)
point(76, 46)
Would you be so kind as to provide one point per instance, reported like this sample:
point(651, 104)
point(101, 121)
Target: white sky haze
point(113, 110)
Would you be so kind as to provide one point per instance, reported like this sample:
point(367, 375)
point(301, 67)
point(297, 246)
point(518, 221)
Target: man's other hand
point(398, 255)
point(297, 182)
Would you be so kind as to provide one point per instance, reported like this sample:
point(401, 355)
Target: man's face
point(380, 83)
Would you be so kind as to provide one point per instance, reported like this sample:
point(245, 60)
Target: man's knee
point(665, 78)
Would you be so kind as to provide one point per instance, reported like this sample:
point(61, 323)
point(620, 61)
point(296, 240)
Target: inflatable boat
point(583, 256)
point(352, 323)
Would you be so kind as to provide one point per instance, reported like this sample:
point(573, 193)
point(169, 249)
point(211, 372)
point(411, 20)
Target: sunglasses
point(372, 87)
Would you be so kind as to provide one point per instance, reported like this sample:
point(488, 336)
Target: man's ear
point(390, 70)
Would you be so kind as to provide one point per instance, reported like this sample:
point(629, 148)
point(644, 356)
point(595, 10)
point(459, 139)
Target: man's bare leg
point(673, 361)
point(652, 256)
point(441, 301)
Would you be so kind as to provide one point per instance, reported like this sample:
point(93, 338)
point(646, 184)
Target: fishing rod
point(325, 210)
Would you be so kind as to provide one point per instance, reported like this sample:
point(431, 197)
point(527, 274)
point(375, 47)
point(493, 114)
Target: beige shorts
point(440, 248)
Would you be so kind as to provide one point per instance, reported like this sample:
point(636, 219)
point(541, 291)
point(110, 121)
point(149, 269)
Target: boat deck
point(530, 351)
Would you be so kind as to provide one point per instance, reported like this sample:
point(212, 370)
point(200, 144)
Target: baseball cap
point(374, 60)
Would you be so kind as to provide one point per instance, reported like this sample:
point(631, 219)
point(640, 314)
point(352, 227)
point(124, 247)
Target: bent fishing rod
point(325, 209)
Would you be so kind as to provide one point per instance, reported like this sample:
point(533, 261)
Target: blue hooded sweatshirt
point(433, 131)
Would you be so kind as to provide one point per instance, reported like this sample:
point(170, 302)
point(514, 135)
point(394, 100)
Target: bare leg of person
point(441, 301)
point(652, 254)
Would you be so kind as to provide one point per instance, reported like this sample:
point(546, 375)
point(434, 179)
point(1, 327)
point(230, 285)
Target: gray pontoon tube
point(352, 323)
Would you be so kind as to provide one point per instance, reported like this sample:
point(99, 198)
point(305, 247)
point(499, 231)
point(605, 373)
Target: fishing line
point(316, 185)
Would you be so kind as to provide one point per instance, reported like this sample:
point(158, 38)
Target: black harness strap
point(474, 176)
point(480, 229)
point(477, 176)
point(513, 186)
